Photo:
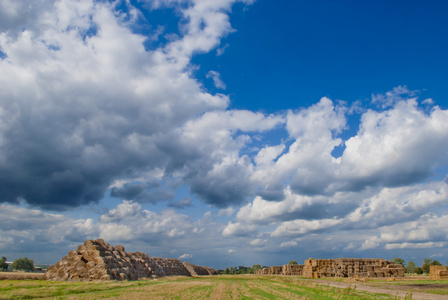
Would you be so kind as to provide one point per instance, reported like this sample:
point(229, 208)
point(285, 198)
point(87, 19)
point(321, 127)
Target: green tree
point(3, 264)
point(418, 271)
point(292, 262)
point(226, 271)
point(427, 262)
point(256, 267)
point(399, 261)
point(435, 263)
point(410, 267)
point(232, 270)
point(23, 264)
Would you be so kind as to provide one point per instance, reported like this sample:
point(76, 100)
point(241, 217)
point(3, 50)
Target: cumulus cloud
point(26, 230)
point(51, 236)
point(83, 104)
point(86, 108)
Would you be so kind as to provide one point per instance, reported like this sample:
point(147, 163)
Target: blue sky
point(224, 132)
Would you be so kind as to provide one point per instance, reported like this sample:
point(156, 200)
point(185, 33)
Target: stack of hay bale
point(264, 271)
point(98, 260)
point(196, 270)
point(171, 266)
point(438, 272)
point(275, 270)
point(296, 270)
point(348, 267)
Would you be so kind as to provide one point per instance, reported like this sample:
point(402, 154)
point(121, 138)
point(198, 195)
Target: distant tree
point(232, 270)
point(427, 263)
point(435, 263)
point(399, 261)
point(226, 271)
point(418, 271)
point(249, 270)
point(256, 267)
point(23, 264)
point(292, 262)
point(410, 267)
point(3, 264)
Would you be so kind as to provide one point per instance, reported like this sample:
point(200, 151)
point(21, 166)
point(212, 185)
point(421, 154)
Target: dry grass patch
point(21, 276)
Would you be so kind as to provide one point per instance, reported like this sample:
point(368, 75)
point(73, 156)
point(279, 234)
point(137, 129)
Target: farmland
point(218, 287)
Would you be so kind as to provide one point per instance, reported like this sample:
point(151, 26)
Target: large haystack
point(438, 272)
point(348, 267)
point(198, 270)
point(98, 260)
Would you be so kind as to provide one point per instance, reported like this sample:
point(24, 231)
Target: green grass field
point(216, 287)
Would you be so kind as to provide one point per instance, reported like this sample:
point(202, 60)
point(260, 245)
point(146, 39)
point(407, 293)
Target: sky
point(224, 132)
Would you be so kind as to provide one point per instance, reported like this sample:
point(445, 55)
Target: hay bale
point(97, 260)
point(438, 272)
point(119, 248)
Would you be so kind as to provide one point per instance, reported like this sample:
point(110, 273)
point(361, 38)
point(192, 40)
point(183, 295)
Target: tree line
point(412, 268)
point(20, 264)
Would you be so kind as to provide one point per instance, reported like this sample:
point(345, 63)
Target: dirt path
point(391, 290)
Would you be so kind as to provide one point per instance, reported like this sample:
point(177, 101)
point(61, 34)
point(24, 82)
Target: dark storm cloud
point(142, 193)
point(229, 186)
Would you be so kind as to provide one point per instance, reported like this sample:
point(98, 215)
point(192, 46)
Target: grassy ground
point(216, 287)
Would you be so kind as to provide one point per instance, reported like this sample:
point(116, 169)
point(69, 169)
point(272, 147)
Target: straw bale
point(438, 272)
point(72, 253)
point(90, 265)
point(119, 248)
point(98, 260)
point(348, 267)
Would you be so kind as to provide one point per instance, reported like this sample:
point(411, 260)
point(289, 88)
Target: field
point(221, 287)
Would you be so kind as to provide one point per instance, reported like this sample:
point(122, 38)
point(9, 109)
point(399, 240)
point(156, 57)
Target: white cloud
point(185, 256)
point(369, 244)
point(288, 244)
point(391, 97)
point(78, 85)
point(300, 227)
point(238, 229)
point(427, 245)
point(428, 101)
point(216, 79)
point(226, 212)
point(84, 108)
point(220, 51)
point(258, 242)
